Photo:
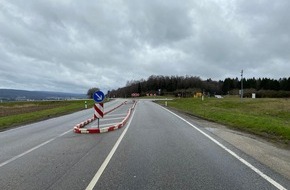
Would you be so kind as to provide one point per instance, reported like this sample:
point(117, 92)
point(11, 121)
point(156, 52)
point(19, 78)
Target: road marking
point(32, 149)
point(96, 178)
point(109, 124)
point(104, 125)
point(266, 177)
point(64, 133)
point(112, 118)
point(110, 115)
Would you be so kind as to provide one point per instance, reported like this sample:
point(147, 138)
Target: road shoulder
point(275, 155)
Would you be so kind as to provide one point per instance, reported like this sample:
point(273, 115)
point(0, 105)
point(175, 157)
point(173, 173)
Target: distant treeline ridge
point(187, 86)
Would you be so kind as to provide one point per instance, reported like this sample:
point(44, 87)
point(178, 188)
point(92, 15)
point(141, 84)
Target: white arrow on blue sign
point(99, 96)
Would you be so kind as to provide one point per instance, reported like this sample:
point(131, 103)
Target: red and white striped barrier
point(83, 124)
point(99, 110)
point(106, 129)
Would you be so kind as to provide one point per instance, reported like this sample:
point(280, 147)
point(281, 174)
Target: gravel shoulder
point(275, 155)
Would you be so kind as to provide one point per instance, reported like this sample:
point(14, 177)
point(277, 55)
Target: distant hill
point(23, 95)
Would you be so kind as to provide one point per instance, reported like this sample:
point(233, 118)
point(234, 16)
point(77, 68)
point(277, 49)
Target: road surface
point(157, 149)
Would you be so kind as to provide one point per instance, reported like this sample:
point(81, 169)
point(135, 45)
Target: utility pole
point(242, 93)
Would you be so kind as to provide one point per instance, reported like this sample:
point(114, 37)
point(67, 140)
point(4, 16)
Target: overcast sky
point(72, 45)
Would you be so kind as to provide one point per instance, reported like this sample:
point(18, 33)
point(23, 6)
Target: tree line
point(187, 86)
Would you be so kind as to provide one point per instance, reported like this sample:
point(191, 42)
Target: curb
point(84, 123)
point(80, 127)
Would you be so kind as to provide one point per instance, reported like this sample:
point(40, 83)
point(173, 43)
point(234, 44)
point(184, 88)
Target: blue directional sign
point(99, 96)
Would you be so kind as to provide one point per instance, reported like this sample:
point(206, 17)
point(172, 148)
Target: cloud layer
point(70, 46)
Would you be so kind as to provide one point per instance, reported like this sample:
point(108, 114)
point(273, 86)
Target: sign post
point(99, 106)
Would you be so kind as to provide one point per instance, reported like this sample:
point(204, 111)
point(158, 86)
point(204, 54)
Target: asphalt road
point(155, 150)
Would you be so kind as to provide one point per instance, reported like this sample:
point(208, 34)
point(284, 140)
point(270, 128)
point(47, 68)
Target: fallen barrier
point(80, 127)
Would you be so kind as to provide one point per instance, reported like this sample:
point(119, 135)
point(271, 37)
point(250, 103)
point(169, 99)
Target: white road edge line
point(269, 179)
point(32, 149)
point(96, 178)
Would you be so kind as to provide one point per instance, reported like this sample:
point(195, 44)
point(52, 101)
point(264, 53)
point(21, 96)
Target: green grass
point(265, 117)
point(19, 113)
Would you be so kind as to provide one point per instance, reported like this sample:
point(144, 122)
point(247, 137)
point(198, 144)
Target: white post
point(242, 93)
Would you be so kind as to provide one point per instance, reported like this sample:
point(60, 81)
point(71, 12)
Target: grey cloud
point(160, 22)
point(268, 26)
point(71, 45)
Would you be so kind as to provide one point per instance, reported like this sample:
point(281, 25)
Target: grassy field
point(19, 113)
point(269, 118)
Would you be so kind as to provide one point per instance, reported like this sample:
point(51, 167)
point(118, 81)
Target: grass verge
point(14, 114)
point(269, 118)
